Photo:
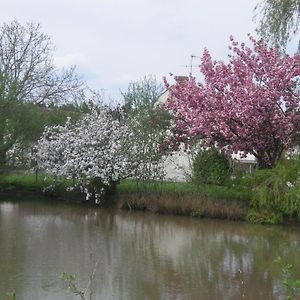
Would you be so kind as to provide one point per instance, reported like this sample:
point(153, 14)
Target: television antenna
point(191, 65)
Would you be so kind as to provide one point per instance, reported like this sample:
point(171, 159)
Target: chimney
point(181, 79)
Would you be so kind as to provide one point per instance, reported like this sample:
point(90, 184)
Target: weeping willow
point(278, 189)
point(279, 21)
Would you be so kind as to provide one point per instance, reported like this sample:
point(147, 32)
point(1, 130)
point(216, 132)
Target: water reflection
point(138, 255)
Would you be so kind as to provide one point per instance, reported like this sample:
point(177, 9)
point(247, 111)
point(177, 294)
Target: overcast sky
point(113, 42)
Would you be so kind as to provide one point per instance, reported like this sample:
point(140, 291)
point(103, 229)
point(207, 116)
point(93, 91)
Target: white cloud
point(116, 41)
point(62, 61)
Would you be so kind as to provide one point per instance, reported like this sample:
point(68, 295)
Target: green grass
point(185, 188)
point(182, 198)
point(28, 182)
point(129, 186)
point(22, 181)
point(25, 182)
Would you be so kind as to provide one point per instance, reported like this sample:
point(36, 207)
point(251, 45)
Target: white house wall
point(178, 166)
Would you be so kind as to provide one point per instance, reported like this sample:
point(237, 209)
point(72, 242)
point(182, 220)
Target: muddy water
point(136, 255)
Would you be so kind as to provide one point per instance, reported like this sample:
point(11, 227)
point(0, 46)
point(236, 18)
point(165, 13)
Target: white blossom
point(94, 152)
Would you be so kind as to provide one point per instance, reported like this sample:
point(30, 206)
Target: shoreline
point(174, 198)
point(185, 204)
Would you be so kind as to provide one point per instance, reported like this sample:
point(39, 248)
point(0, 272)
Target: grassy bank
point(179, 198)
point(20, 184)
point(184, 199)
point(160, 197)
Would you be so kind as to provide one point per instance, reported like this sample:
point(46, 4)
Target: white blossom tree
point(96, 152)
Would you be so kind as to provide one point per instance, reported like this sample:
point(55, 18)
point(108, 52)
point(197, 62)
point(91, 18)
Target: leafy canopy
point(279, 20)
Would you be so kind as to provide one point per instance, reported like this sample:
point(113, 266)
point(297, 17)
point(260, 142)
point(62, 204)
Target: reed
point(185, 205)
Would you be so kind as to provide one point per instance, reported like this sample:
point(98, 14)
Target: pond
point(137, 255)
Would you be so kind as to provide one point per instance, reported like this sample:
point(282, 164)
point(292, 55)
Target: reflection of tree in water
point(145, 256)
point(208, 255)
point(11, 258)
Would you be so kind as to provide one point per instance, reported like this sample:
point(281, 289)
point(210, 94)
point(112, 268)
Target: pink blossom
point(250, 104)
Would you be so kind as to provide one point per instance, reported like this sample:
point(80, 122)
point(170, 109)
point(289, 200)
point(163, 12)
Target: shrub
point(278, 189)
point(264, 217)
point(291, 284)
point(211, 167)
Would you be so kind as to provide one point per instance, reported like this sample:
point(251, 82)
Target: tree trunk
point(106, 192)
point(2, 161)
point(265, 161)
point(262, 164)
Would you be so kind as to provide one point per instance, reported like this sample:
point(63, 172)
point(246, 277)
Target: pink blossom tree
point(251, 104)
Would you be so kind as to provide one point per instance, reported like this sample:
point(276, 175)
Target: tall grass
point(183, 198)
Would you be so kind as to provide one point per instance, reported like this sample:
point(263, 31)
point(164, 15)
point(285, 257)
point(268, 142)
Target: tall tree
point(27, 69)
point(279, 20)
point(251, 104)
point(28, 75)
point(150, 124)
point(141, 94)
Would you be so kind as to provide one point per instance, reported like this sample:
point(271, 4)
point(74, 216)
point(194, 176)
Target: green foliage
point(293, 198)
point(70, 279)
point(292, 285)
point(11, 296)
point(141, 95)
point(198, 213)
point(278, 189)
point(149, 123)
point(239, 193)
point(211, 167)
point(21, 124)
point(264, 217)
point(279, 20)
point(29, 83)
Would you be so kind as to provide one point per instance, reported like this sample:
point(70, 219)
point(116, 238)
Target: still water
point(136, 255)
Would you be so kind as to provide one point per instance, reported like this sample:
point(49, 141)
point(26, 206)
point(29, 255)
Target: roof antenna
point(191, 66)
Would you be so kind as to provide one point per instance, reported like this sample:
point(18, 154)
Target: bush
point(278, 189)
point(264, 217)
point(211, 167)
